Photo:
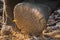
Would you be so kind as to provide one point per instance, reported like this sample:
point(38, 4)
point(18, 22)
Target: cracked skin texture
point(29, 19)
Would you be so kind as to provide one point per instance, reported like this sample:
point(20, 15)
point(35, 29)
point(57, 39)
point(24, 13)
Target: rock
point(6, 30)
point(58, 11)
point(58, 24)
point(51, 22)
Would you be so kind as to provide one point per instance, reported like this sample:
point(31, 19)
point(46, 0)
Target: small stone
point(6, 30)
point(58, 11)
point(51, 22)
point(58, 24)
